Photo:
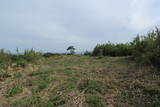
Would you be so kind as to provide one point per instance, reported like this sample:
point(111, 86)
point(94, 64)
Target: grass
point(71, 81)
point(41, 72)
point(55, 101)
point(94, 101)
point(14, 90)
point(17, 75)
point(67, 86)
point(92, 86)
point(4, 75)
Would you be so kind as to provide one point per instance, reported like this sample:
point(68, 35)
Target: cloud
point(53, 25)
point(142, 15)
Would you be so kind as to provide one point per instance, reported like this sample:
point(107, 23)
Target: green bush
point(144, 49)
point(110, 49)
point(19, 60)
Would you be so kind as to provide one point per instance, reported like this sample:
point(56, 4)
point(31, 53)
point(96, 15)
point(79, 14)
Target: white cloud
point(55, 24)
point(141, 17)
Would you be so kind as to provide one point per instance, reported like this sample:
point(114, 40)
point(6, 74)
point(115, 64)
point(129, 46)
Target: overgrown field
point(79, 81)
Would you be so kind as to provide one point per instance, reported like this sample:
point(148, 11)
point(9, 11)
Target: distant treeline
point(144, 49)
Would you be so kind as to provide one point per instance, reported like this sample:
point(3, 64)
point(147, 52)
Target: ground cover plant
point(71, 80)
point(113, 75)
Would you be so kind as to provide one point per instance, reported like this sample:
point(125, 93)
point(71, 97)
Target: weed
point(55, 101)
point(16, 103)
point(17, 75)
point(14, 90)
point(4, 74)
point(94, 101)
point(33, 101)
point(67, 86)
point(40, 72)
point(92, 86)
point(151, 92)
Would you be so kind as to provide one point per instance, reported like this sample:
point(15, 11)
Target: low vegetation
point(95, 79)
point(14, 90)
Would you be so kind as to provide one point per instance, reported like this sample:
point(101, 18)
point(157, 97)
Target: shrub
point(110, 49)
point(146, 49)
point(87, 53)
point(31, 55)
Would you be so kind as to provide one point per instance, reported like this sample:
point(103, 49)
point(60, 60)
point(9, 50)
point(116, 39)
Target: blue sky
point(53, 25)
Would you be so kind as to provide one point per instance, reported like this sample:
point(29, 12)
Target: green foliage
point(17, 75)
point(4, 58)
point(15, 89)
point(40, 72)
point(144, 49)
point(87, 53)
point(19, 60)
point(31, 55)
point(4, 75)
point(110, 49)
point(55, 101)
point(94, 101)
point(33, 101)
point(92, 87)
point(67, 86)
point(71, 49)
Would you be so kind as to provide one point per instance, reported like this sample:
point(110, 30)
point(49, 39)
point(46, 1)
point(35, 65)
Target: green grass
point(14, 90)
point(92, 86)
point(94, 101)
point(68, 85)
point(41, 72)
point(55, 101)
point(17, 75)
point(71, 81)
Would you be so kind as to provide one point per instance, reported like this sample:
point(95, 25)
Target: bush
point(19, 60)
point(110, 49)
point(144, 49)
point(31, 55)
point(87, 53)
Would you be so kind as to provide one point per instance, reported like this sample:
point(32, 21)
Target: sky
point(53, 25)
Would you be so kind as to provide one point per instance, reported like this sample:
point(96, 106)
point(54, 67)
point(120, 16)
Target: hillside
point(80, 81)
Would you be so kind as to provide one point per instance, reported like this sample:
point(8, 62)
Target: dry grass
point(81, 81)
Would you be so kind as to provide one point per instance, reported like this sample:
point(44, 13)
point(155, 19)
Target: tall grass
point(7, 58)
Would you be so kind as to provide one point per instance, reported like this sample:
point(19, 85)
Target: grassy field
point(80, 81)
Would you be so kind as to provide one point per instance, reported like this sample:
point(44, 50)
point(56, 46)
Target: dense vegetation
point(111, 49)
point(144, 49)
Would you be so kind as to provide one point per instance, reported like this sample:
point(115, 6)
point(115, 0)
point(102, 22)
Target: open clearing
point(80, 81)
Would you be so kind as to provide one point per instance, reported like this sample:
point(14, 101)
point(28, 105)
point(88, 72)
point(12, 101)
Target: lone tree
point(71, 49)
